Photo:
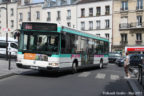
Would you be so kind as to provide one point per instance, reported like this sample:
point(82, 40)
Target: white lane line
point(114, 77)
point(84, 74)
point(100, 76)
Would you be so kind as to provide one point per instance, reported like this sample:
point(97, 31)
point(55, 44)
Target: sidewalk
point(137, 89)
point(5, 72)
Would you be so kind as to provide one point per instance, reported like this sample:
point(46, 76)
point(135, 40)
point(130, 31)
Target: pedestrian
point(126, 65)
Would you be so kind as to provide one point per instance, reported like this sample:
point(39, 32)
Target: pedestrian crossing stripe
point(84, 74)
point(100, 76)
point(114, 77)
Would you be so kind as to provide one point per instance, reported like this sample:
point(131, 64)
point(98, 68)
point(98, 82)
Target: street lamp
point(6, 29)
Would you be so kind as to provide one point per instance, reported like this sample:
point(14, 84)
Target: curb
point(136, 88)
point(7, 75)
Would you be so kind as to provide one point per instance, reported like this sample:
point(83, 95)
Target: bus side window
point(63, 43)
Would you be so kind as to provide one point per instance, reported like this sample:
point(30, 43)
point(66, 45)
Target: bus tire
point(101, 64)
point(74, 67)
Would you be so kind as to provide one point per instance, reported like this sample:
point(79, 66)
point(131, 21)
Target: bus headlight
point(54, 64)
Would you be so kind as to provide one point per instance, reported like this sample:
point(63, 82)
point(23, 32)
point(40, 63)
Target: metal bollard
point(9, 67)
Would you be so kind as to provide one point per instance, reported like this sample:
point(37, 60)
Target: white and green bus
point(47, 46)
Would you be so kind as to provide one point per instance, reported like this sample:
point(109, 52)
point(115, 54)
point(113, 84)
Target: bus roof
point(73, 31)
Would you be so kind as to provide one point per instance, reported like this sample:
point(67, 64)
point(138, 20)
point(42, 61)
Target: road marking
point(114, 77)
point(100, 76)
point(84, 74)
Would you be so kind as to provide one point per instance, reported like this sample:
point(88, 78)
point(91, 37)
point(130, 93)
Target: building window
point(139, 4)
point(107, 22)
point(68, 14)
point(98, 24)
point(139, 20)
point(82, 12)
point(12, 23)
point(107, 35)
point(29, 16)
point(12, 12)
point(124, 5)
point(107, 10)
point(124, 38)
point(21, 16)
point(69, 24)
point(49, 16)
point(58, 15)
point(82, 25)
point(138, 36)
point(90, 25)
point(90, 11)
point(98, 9)
point(98, 35)
point(38, 15)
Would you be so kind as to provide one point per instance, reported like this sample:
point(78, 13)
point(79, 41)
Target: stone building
point(128, 24)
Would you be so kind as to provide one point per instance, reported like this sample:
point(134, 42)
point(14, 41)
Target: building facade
point(29, 13)
point(62, 12)
point(9, 17)
point(95, 17)
point(128, 24)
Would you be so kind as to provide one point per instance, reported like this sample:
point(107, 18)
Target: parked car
point(12, 47)
point(136, 59)
point(120, 62)
point(113, 57)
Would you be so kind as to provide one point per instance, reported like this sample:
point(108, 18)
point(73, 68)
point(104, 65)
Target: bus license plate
point(34, 67)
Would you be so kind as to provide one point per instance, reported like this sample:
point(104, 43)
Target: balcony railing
point(123, 42)
point(82, 16)
point(98, 27)
point(98, 14)
point(138, 42)
point(48, 19)
point(68, 17)
point(82, 28)
point(90, 15)
point(136, 25)
point(139, 7)
point(124, 9)
point(107, 13)
point(58, 18)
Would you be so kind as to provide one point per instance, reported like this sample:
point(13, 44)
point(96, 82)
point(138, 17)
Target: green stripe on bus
point(106, 56)
point(19, 52)
point(59, 29)
point(62, 55)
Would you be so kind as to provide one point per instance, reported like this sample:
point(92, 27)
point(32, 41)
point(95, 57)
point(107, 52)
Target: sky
point(35, 1)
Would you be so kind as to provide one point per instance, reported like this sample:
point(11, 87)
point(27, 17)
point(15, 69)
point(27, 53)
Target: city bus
point(48, 46)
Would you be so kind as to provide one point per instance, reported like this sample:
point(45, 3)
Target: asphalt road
point(90, 82)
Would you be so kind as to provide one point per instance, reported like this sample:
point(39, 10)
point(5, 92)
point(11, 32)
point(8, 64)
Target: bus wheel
point(74, 67)
point(101, 64)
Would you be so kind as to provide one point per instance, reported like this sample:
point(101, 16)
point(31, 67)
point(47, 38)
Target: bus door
point(83, 58)
point(90, 52)
point(90, 56)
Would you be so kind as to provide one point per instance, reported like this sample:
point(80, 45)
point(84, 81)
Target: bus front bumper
point(19, 65)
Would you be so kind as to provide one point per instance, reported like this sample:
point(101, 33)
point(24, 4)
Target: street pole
point(6, 31)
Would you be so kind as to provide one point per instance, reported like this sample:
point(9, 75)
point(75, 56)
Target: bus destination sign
point(39, 26)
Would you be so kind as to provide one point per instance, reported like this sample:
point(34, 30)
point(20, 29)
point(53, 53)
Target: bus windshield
point(39, 42)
